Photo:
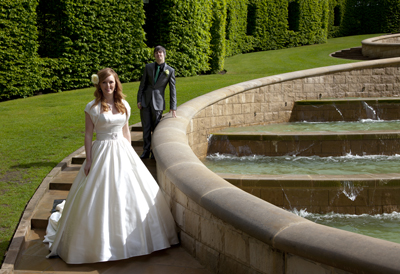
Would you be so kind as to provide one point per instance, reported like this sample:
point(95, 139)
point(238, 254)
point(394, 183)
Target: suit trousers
point(150, 119)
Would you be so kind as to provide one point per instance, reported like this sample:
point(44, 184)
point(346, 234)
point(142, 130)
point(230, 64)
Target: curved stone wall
point(232, 231)
point(385, 46)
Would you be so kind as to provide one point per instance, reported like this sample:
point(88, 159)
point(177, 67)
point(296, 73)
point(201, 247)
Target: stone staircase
point(30, 258)
point(61, 184)
point(351, 53)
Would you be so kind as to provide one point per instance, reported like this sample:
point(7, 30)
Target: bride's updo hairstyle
point(118, 95)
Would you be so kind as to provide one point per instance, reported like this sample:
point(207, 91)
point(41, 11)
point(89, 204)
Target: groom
point(150, 97)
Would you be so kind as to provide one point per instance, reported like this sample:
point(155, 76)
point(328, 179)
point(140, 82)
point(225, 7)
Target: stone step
point(137, 127)
point(43, 210)
point(78, 159)
point(137, 138)
point(351, 53)
point(59, 188)
point(64, 180)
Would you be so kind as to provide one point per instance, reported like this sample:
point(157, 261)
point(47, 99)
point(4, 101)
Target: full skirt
point(116, 212)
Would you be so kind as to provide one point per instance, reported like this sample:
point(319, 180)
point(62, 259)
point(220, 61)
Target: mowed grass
point(36, 133)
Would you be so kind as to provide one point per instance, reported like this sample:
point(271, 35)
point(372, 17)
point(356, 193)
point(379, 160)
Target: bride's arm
point(126, 132)
point(89, 126)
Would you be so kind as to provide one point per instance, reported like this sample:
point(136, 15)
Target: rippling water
point(366, 124)
point(279, 165)
point(382, 226)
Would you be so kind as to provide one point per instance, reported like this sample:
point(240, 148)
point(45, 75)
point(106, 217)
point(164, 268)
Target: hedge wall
point(183, 28)
point(268, 23)
point(217, 44)
point(55, 45)
point(336, 11)
point(371, 16)
point(237, 40)
point(390, 18)
point(312, 22)
point(20, 75)
point(83, 36)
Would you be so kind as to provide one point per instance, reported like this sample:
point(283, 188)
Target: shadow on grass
point(35, 164)
point(3, 247)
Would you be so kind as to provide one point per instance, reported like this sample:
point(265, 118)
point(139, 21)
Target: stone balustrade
point(232, 231)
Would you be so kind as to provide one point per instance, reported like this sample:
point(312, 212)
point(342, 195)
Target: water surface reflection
point(280, 165)
point(383, 226)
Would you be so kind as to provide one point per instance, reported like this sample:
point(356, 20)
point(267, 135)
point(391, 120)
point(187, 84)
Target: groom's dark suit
point(151, 97)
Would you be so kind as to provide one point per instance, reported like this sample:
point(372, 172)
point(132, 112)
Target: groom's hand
point(173, 113)
point(139, 105)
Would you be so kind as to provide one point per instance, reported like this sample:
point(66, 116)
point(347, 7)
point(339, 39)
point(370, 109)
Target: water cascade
point(343, 153)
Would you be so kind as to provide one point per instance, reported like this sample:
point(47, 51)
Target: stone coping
point(24, 225)
point(311, 135)
point(313, 180)
point(384, 40)
point(328, 101)
point(272, 225)
point(386, 46)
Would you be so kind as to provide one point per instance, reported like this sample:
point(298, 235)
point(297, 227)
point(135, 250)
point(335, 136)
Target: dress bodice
point(107, 122)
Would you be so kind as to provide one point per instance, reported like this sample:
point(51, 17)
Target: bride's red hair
point(118, 95)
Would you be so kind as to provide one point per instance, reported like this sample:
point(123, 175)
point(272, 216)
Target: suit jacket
point(153, 93)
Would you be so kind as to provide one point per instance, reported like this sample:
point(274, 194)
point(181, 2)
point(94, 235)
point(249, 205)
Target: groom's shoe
point(152, 155)
point(145, 154)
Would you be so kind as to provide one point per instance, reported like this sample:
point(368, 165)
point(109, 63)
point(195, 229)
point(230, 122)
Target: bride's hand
point(87, 167)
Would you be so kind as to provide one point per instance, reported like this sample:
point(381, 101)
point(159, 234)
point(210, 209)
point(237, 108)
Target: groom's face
point(160, 57)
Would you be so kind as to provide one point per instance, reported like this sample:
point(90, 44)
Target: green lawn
point(37, 133)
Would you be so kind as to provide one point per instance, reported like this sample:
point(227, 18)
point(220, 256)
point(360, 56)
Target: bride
point(115, 209)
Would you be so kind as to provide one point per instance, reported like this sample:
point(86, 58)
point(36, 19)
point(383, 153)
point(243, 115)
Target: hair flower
point(95, 79)
point(166, 72)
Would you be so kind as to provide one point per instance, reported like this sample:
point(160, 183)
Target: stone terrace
point(232, 231)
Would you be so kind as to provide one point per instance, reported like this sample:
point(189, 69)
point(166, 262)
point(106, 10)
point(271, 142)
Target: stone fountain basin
point(372, 193)
point(376, 193)
point(349, 109)
point(323, 144)
point(386, 46)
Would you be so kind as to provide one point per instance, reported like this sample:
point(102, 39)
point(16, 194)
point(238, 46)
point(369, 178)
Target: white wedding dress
point(118, 210)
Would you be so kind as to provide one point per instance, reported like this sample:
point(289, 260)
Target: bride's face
point(108, 85)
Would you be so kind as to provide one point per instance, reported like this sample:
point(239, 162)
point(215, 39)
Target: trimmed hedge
point(390, 19)
point(336, 11)
point(371, 16)
point(183, 28)
point(277, 24)
point(237, 40)
point(75, 38)
point(20, 74)
point(84, 37)
point(313, 20)
point(269, 23)
point(217, 46)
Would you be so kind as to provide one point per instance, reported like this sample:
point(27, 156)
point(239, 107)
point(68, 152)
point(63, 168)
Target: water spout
point(334, 105)
point(371, 113)
point(287, 199)
point(350, 191)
